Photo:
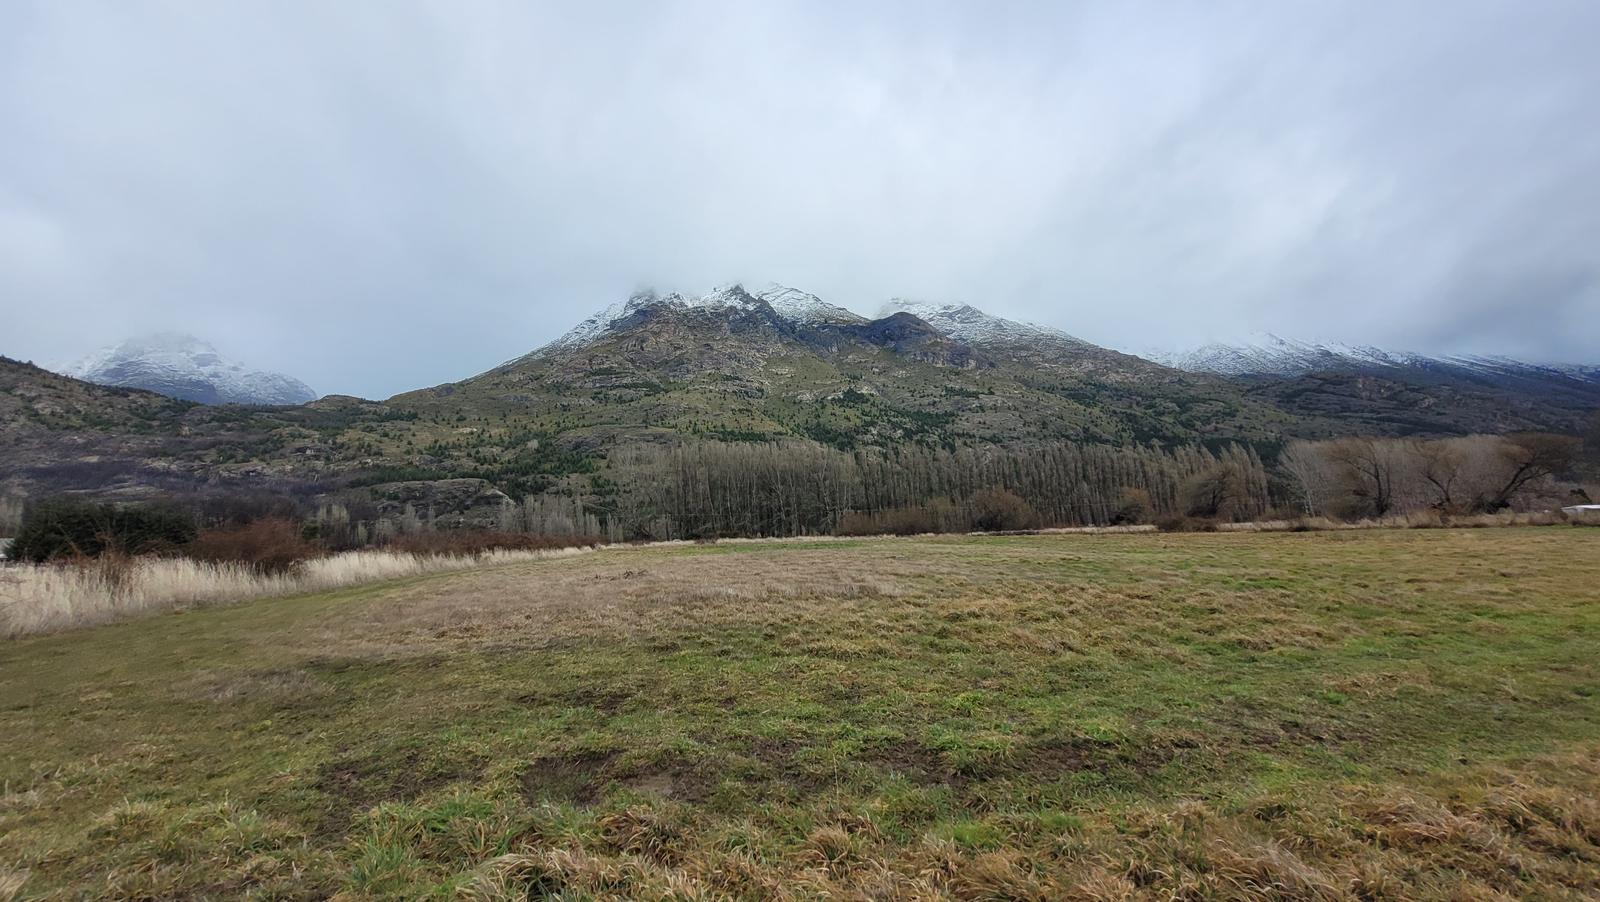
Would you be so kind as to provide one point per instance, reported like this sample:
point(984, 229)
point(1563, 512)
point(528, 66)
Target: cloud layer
point(376, 196)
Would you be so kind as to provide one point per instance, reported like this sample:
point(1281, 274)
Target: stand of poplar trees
point(786, 489)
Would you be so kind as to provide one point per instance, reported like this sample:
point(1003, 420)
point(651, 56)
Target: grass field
point(1377, 714)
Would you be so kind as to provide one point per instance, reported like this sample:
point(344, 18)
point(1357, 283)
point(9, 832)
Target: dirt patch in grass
point(678, 780)
point(354, 784)
point(582, 779)
point(602, 699)
point(918, 764)
point(576, 779)
point(1077, 754)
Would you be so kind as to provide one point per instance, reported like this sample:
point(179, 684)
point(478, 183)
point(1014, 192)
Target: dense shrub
point(1220, 491)
point(238, 506)
point(997, 510)
point(73, 528)
point(1133, 506)
point(1184, 523)
point(900, 521)
point(994, 510)
point(464, 542)
point(269, 545)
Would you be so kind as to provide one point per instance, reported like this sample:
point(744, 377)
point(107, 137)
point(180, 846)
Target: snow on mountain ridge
point(1266, 354)
point(802, 307)
point(967, 323)
point(962, 322)
point(182, 366)
point(731, 296)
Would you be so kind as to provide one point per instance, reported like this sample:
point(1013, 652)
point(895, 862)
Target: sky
point(376, 196)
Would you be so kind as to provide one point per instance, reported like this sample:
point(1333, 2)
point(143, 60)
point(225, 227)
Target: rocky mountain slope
point(58, 433)
point(182, 366)
point(784, 364)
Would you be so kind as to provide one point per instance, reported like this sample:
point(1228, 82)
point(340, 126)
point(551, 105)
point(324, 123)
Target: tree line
point(709, 488)
point(713, 488)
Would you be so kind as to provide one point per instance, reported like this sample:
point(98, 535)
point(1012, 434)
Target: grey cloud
point(378, 196)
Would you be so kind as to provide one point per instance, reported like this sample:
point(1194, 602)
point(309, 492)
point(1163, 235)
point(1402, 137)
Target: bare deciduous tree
point(1440, 464)
point(1527, 457)
point(1368, 466)
point(1311, 474)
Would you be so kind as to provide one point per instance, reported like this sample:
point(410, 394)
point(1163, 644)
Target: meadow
point(1365, 714)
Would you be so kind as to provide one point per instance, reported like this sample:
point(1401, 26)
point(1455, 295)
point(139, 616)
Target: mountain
point(182, 366)
point(61, 434)
point(781, 363)
point(1265, 354)
point(1043, 348)
point(1404, 388)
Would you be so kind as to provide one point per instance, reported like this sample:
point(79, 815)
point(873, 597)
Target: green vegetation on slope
point(1376, 714)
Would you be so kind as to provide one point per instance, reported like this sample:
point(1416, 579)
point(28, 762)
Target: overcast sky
point(380, 196)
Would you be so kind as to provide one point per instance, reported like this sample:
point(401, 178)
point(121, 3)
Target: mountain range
point(773, 365)
point(1265, 354)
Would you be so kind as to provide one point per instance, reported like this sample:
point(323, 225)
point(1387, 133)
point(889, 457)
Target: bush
point(1215, 493)
point(269, 545)
point(997, 510)
point(1181, 523)
point(900, 521)
point(471, 542)
point(1133, 506)
point(74, 528)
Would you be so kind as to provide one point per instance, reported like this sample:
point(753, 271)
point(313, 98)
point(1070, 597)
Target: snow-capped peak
point(967, 323)
point(182, 366)
point(731, 295)
point(804, 308)
point(724, 297)
point(1263, 353)
point(960, 321)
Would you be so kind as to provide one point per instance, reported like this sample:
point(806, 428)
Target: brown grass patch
point(278, 686)
point(610, 594)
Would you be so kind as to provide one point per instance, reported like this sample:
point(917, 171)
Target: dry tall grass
point(42, 598)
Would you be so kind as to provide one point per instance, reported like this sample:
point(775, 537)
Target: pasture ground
point(1372, 714)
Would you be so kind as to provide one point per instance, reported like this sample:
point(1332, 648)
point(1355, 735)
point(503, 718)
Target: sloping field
point(1378, 714)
